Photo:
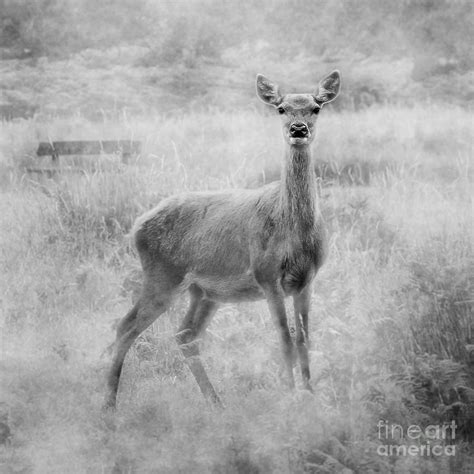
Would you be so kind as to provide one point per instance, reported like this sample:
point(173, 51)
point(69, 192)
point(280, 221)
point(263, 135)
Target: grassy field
point(392, 319)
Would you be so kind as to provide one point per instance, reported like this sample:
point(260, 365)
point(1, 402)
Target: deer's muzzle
point(299, 130)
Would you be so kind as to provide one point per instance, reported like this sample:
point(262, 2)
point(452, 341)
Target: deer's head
point(299, 111)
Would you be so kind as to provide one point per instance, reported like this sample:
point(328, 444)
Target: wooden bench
point(126, 149)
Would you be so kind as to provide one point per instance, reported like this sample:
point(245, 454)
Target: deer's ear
point(268, 91)
point(328, 88)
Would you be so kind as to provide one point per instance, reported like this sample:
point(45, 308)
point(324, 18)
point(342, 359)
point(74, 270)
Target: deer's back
point(204, 228)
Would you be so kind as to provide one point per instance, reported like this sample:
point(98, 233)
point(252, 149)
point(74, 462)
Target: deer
point(236, 245)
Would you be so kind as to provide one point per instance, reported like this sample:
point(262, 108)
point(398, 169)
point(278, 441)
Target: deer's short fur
point(236, 245)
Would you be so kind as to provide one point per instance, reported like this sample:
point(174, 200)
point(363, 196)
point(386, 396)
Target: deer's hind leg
point(301, 303)
point(154, 301)
point(197, 318)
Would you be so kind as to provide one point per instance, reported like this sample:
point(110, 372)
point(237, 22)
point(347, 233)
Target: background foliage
point(144, 55)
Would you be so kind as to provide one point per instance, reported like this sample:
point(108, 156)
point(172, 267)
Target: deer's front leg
point(276, 303)
point(301, 304)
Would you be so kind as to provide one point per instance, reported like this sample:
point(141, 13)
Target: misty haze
point(310, 309)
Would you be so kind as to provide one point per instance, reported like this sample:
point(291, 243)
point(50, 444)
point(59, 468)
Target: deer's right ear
point(268, 91)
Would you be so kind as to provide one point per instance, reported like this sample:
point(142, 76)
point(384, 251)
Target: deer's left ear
point(268, 91)
point(328, 88)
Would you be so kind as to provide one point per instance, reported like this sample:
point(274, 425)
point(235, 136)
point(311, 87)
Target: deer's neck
point(298, 198)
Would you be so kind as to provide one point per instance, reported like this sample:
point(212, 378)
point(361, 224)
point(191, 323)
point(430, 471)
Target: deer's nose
point(299, 130)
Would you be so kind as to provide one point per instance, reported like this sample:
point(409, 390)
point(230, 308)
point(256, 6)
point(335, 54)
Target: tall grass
point(392, 311)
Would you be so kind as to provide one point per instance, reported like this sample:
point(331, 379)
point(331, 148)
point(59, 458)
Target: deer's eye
point(316, 110)
point(281, 110)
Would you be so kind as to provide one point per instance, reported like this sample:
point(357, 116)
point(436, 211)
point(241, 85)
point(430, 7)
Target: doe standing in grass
point(236, 245)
